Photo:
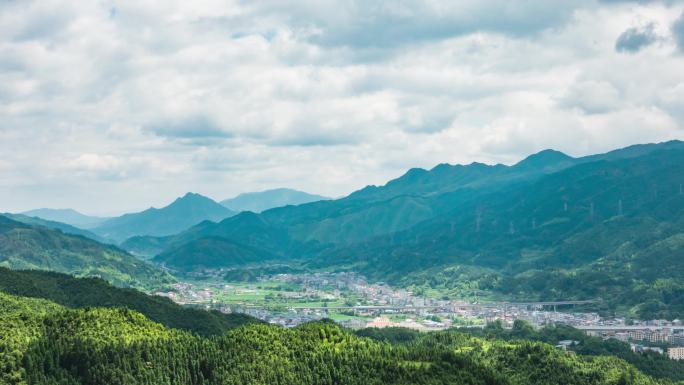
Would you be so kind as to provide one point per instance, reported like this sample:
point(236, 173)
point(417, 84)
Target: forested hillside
point(24, 246)
point(608, 229)
point(41, 343)
point(651, 363)
point(89, 292)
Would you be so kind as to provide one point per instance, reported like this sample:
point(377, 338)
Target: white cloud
point(592, 97)
point(135, 102)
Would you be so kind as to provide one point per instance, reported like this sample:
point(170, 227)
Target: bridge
point(616, 328)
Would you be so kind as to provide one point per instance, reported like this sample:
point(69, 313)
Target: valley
point(555, 254)
point(290, 300)
point(297, 192)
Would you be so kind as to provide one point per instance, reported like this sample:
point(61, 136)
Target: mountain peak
point(191, 195)
point(543, 159)
point(192, 198)
point(181, 214)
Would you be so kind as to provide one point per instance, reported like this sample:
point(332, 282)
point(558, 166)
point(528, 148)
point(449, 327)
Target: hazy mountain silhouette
point(264, 200)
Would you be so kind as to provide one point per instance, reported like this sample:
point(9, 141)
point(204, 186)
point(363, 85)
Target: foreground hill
point(264, 200)
point(651, 363)
point(24, 246)
point(90, 292)
point(42, 343)
point(183, 213)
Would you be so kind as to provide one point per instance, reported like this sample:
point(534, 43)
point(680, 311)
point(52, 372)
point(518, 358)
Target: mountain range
point(264, 200)
point(606, 226)
point(180, 215)
point(481, 229)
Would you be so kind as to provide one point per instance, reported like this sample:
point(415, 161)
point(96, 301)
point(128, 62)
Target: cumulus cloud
point(678, 32)
point(635, 38)
point(188, 127)
point(592, 97)
point(136, 102)
point(395, 23)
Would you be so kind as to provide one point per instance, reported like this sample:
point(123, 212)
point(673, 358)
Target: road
point(503, 305)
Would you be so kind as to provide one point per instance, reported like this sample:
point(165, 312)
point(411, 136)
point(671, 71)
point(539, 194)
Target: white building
point(676, 353)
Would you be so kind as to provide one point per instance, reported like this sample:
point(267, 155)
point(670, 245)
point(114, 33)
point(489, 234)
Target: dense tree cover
point(20, 323)
point(209, 252)
point(45, 344)
point(25, 246)
point(653, 364)
point(393, 335)
point(87, 292)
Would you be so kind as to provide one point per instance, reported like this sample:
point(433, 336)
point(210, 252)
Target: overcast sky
point(112, 106)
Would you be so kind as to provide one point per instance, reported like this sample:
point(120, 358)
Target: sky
point(110, 106)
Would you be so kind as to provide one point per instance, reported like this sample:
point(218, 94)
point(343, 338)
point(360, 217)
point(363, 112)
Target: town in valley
point(290, 299)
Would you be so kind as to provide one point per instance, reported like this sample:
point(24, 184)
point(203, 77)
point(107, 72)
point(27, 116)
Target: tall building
point(678, 339)
point(676, 353)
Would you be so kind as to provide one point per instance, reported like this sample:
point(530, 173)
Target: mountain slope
point(63, 227)
point(212, 252)
point(370, 212)
point(609, 229)
point(24, 246)
point(90, 292)
point(264, 200)
point(183, 213)
point(554, 211)
point(417, 196)
point(68, 216)
point(243, 239)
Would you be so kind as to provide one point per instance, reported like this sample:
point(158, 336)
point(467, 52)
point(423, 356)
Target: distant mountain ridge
point(268, 199)
point(181, 214)
point(68, 216)
point(63, 227)
point(367, 213)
